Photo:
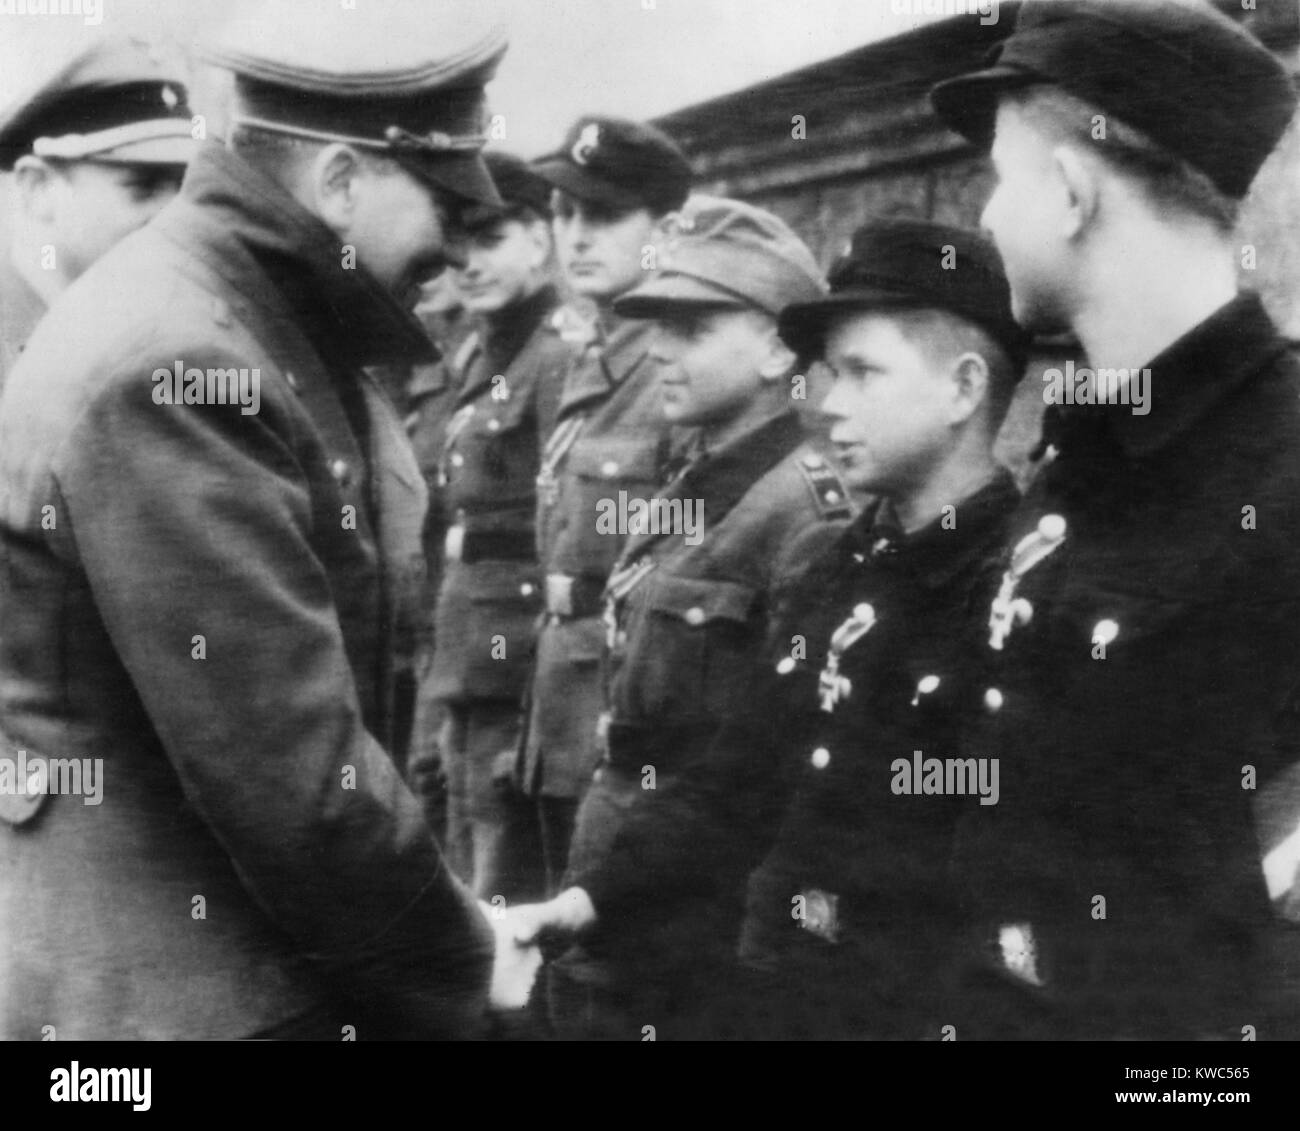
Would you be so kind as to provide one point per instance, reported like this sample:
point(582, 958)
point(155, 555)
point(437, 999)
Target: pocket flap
point(616, 459)
point(699, 600)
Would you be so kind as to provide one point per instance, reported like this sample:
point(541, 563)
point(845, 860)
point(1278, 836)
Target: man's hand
point(567, 915)
point(514, 966)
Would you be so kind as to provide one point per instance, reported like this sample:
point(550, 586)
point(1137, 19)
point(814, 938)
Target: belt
point(574, 597)
point(463, 545)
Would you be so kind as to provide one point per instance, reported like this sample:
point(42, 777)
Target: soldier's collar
point(941, 550)
point(505, 333)
point(1188, 379)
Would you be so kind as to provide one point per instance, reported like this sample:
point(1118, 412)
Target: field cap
point(623, 164)
point(900, 263)
point(1183, 74)
point(722, 253)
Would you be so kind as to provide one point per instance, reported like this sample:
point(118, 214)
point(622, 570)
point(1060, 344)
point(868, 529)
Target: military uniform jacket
point(21, 308)
point(491, 591)
point(689, 619)
point(1143, 649)
point(611, 436)
point(208, 601)
point(805, 766)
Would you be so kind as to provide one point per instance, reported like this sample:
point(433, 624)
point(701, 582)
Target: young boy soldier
point(209, 593)
point(95, 150)
point(688, 602)
point(508, 374)
point(1143, 642)
point(614, 183)
point(860, 668)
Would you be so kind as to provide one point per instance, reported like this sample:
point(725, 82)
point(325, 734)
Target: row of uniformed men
point(1110, 643)
point(1083, 860)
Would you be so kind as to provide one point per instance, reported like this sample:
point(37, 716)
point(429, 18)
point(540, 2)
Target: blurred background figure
point(95, 150)
point(504, 382)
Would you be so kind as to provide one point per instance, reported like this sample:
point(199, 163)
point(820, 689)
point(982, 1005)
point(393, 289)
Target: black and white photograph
point(721, 521)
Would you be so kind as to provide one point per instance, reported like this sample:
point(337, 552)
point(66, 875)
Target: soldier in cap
point(614, 183)
point(95, 150)
point(1141, 648)
point(851, 662)
point(210, 535)
point(507, 378)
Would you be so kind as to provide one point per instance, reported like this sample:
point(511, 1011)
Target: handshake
point(520, 932)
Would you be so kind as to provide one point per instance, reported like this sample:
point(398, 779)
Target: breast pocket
point(599, 468)
point(697, 646)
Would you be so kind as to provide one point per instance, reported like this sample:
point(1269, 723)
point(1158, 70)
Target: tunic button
point(1104, 631)
point(1052, 526)
point(786, 665)
point(993, 699)
point(832, 497)
point(609, 469)
point(821, 758)
point(457, 460)
point(526, 589)
point(293, 381)
point(695, 616)
point(494, 425)
point(339, 469)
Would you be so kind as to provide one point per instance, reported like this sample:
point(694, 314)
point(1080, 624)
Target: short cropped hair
point(942, 337)
point(1169, 182)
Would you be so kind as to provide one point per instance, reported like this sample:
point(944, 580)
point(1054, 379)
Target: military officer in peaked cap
point(1141, 648)
point(95, 150)
point(614, 183)
point(858, 664)
point(209, 542)
point(507, 378)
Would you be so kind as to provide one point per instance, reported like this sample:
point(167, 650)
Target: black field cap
point(1181, 73)
point(912, 264)
point(723, 252)
point(622, 164)
point(118, 102)
point(517, 184)
point(403, 79)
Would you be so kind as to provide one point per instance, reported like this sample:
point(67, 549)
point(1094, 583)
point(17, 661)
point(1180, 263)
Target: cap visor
point(158, 151)
point(969, 103)
point(574, 180)
point(465, 176)
point(667, 293)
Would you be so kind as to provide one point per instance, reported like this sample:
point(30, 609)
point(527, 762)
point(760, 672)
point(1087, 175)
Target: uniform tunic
point(689, 623)
point(1143, 651)
point(213, 602)
point(509, 378)
point(851, 905)
point(611, 437)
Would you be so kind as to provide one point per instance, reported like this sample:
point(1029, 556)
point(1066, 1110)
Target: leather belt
point(461, 545)
point(571, 598)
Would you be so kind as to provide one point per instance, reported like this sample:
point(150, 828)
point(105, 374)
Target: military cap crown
point(1181, 73)
point(722, 252)
point(116, 101)
point(405, 79)
point(905, 263)
point(620, 163)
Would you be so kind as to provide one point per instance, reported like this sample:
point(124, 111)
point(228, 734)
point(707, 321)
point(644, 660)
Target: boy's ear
point(970, 381)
